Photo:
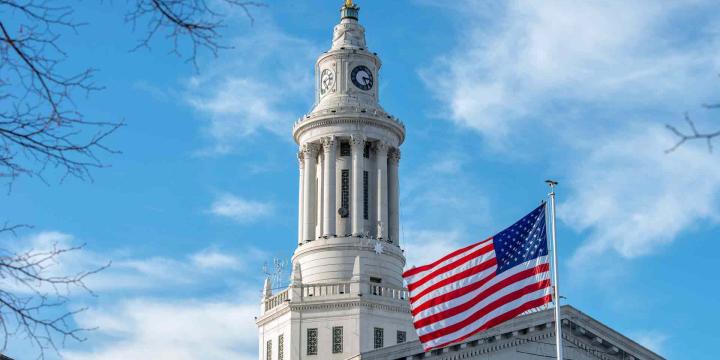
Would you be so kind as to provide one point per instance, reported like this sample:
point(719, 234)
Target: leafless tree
point(693, 133)
point(34, 300)
point(44, 134)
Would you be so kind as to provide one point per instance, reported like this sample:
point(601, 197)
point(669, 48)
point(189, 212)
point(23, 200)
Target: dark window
point(268, 351)
point(365, 195)
point(345, 194)
point(312, 341)
point(378, 335)
point(337, 340)
point(281, 347)
point(345, 149)
point(401, 337)
point(366, 150)
point(375, 280)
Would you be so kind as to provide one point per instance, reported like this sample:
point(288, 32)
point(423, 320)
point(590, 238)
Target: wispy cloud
point(633, 198)
point(172, 329)
point(240, 210)
point(537, 61)
point(156, 307)
point(262, 89)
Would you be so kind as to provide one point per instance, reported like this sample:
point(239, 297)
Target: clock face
point(327, 80)
point(362, 77)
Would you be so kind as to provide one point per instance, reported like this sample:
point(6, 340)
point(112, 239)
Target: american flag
point(482, 285)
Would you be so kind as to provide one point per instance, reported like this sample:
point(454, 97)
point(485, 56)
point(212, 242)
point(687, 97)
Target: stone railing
point(276, 300)
point(326, 289)
point(336, 290)
point(389, 292)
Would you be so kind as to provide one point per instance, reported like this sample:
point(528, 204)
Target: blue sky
point(496, 97)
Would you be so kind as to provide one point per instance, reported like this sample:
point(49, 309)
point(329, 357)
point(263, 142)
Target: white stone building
point(346, 298)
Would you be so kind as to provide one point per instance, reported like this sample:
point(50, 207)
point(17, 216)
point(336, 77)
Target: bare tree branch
point(34, 300)
point(196, 21)
point(694, 134)
point(42, 130)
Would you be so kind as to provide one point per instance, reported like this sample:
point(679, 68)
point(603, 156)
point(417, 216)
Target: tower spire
point(350, 10)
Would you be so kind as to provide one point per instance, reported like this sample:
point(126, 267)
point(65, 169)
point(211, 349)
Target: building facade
point(346, 298)
point(346, 294)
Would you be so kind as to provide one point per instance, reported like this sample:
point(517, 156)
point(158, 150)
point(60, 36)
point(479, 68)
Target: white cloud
point(213, 259)
point(425, 246)
point(264, 87)
point(533, 57)
point(239, 209)
point(173, 330)
point(633, 198)
point(141, 312)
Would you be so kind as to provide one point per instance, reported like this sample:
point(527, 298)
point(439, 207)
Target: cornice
point(345, 115)
point(329, 305)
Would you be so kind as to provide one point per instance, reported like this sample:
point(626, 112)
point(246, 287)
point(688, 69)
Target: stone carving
point(357, 140)
point(328, 144)
point(394, 155)
point(380, 147)
point(310, 150)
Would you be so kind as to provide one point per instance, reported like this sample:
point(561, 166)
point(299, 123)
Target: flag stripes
point(464, 292)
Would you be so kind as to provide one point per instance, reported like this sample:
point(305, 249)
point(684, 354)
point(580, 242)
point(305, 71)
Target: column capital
point(301, 159)
point(381, 147)
point(357, 140)
point(310, 150)
point(329, 143)
point(394, 155)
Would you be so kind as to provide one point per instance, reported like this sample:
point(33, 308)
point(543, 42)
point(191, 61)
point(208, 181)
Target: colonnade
point(318, 203)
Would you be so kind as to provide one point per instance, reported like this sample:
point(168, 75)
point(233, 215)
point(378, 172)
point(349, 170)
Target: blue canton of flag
point(523, 241)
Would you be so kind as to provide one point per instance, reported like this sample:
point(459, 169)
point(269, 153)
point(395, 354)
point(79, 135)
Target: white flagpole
point(556, 290)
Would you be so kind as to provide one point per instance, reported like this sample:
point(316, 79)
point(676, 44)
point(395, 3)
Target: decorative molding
point(390, 125)
point(381, 147)
point(394, 155)
point(310, 150)
point(329, 144)
point(301, 160)
point(357, 141)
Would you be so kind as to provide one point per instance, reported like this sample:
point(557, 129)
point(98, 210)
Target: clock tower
point(346, 293)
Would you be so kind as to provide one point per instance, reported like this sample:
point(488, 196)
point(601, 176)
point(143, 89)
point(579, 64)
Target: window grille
point(365, 195)
point(378, 338)
point(345, 193)
point(337, 340)
point(281, 347)
point(312, 341)
point(401, 337)
point(268, 350)
point(345, 149)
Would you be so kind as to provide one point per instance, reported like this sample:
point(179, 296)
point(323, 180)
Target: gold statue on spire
point(348, 3)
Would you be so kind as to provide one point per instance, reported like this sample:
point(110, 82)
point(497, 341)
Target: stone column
point(381, 157)
point(394, 193)
point(319, 193)
point(329, 212)
point(356, 202)
point(301, 205)
point(310, 152)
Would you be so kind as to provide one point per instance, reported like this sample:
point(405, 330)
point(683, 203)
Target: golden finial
point(348, 3)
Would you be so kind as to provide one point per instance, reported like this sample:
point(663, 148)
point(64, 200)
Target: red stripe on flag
point(500, 319)
point(465, 290)
point(477, 253)
point(484, 311)
point(457, 277)
point(419, 269)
